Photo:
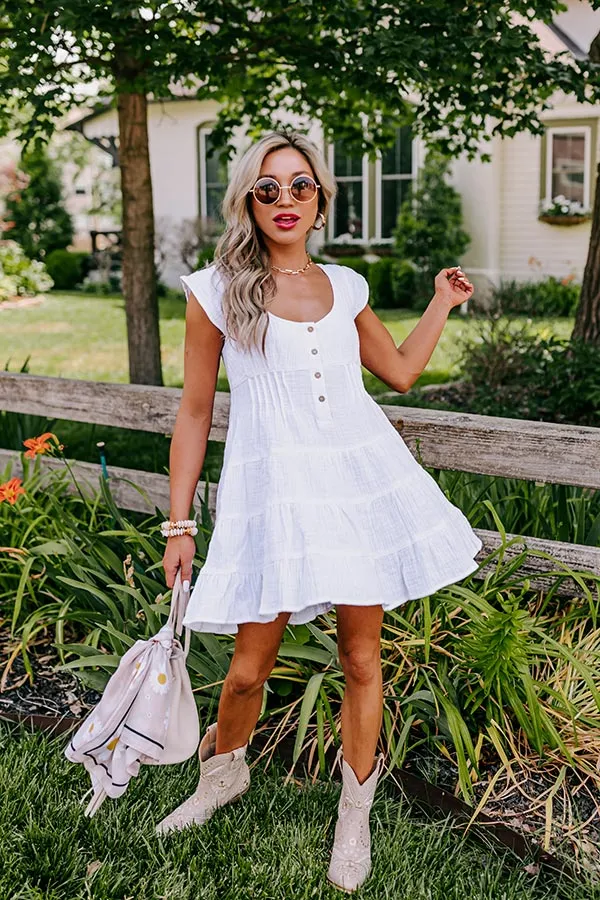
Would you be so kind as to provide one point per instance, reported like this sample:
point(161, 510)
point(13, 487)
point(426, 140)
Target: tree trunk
point(139, 277)
point(587, 321)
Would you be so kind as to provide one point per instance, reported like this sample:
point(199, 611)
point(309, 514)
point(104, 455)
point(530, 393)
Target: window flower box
point(564, 219)
point(560, 211)
point(344, 248)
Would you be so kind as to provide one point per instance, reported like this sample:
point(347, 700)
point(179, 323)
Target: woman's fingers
point(460, 278)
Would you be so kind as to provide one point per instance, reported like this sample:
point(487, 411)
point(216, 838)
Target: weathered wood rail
point(512, 448)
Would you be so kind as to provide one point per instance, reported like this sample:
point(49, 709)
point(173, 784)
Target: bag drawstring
point(179, 602)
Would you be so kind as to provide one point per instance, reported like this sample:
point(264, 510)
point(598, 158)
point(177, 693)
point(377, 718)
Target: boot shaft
point(355, 794)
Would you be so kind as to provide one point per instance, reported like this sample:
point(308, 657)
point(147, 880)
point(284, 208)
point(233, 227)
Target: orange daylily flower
point(11, 490)
point(40, 445)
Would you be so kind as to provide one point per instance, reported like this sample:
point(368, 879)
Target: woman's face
point(286, 221)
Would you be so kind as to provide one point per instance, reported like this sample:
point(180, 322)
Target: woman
point(320, 503)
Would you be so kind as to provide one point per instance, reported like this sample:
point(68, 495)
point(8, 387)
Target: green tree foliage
point(352, 66)
point(40, 222)
point(429, 230)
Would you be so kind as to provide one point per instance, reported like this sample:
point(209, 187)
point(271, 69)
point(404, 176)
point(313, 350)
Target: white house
point(501, 199)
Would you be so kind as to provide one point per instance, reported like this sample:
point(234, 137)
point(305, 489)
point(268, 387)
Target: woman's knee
point(247, 676)
point(361, 664)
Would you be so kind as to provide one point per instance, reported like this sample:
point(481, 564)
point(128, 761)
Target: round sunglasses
point(267, 190)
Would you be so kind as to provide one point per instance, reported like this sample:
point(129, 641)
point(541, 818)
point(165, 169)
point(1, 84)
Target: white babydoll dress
point(319, 501)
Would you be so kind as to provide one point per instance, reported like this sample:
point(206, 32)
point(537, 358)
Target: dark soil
point(50, 694)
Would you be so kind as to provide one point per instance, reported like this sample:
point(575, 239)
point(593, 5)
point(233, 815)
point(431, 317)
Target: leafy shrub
point(20, 276)
point(380, 283)
point(206, 255)
point(550, 297)
point(110, 286)
point(67, 268)
point(429, 229)
point(357, 263)
point(404, 283)
point(513, 371)
point(39, 220)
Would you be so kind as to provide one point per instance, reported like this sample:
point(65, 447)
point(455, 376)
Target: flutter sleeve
point(202, 285)
point(358, 290)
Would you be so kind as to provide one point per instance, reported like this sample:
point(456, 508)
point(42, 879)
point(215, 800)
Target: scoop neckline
point(312, 321)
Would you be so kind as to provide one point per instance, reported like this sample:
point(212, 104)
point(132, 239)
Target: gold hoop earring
point(322, 225)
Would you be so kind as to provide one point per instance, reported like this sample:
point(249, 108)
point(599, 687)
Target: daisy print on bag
point(137, 671)
point(159, 681)
point(106, 753)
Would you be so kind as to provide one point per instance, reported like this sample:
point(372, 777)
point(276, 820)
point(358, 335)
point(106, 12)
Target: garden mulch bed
point(51, 694)
point(521, 805)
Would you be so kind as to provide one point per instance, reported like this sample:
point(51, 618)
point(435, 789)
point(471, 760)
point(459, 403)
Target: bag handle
point(179, 602)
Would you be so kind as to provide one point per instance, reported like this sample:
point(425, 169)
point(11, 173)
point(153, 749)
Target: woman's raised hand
point(453, 286)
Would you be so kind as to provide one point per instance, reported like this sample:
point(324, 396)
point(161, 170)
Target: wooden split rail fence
point(512, 448)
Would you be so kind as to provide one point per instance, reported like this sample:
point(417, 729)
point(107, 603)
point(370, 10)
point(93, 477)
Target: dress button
point(310, 328)
point(317, 374)
point(314, 350)
point(321, 397)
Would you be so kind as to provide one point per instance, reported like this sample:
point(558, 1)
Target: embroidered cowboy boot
point(223, 777)
point(350, 862)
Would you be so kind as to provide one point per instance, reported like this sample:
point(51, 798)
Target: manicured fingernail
point(186, 585)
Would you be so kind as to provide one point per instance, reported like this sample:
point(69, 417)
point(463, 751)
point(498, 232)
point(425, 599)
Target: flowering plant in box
point(560, 207)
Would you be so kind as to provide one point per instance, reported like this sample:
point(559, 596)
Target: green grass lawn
point(274, 843)
point(84, 336)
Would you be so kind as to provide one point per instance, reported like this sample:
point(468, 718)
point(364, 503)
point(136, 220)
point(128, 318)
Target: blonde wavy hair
point(241, 256)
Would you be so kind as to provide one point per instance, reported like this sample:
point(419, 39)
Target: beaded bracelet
point(181, 526)
point(177, 531)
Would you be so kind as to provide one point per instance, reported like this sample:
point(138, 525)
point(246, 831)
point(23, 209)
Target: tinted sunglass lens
point(303, 188)
point(266, 191)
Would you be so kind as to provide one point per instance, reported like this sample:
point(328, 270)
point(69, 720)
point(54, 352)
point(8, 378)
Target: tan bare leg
point(255, 653)
point(359, 635)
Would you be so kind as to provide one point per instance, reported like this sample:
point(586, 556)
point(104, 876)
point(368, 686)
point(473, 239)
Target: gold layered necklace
point(295, 271)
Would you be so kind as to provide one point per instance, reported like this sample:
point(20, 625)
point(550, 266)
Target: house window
point(348, 205)
point(396, 168)
point(568, 163)
point(213, 177)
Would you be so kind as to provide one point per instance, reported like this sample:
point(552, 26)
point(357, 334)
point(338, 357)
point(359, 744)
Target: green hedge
point(357, 263)
point(549, 297)
point(381, 285)
point(67, 268)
